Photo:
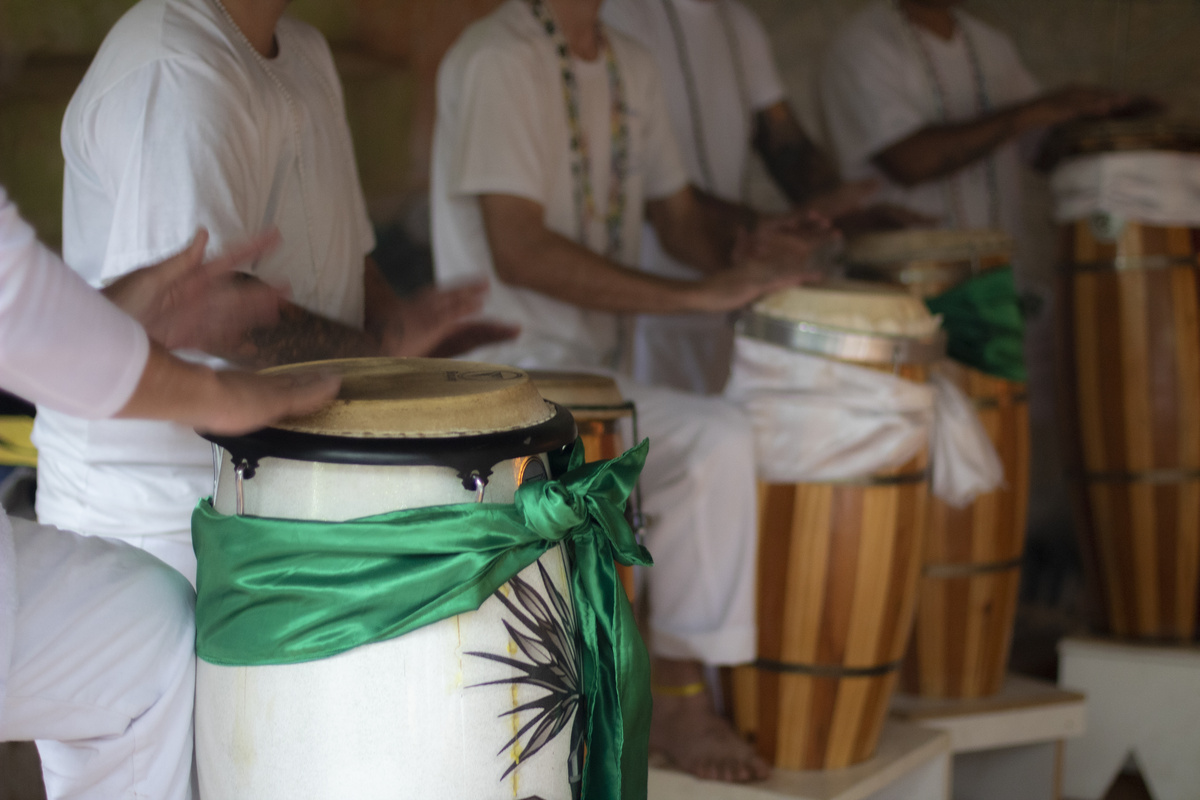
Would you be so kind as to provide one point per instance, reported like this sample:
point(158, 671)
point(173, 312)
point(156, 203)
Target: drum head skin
point(866, 308)
point(588, 396)
point(904, 247)
point(464, 414)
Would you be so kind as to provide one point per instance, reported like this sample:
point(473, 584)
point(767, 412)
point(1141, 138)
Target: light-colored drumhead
point(901, 247)
point(587, 396)
point(420, 398)
point(866, 308)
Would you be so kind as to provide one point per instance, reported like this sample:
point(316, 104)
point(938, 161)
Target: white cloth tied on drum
point(818, 420)
point(1156, 187)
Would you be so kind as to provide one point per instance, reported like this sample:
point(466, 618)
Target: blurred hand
point(846, 198)
point(187, 303)
point(738, 287)
point(432, 323)
point(882, 217)
point(247, 401)
point(1074, 102)
point(784, 244)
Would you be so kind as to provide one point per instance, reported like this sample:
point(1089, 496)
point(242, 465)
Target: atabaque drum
point(972, 575)
point(1127, 202)
point(838, 560)
point(450, 709)
point(599, 408)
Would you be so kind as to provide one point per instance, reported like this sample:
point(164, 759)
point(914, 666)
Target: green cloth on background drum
point(983, 324)
point(275, 591)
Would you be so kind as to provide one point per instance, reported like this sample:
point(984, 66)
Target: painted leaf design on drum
point(545, 632)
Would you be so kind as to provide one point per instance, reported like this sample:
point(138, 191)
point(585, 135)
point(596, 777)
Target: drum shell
point(407, 712)
point(972, 574)
point(1130, 352)
point(837, 580)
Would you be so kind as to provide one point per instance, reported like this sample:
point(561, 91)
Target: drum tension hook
point(243, 471)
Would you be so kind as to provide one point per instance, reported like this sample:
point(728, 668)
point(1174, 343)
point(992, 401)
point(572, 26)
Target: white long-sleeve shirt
point(61, 345)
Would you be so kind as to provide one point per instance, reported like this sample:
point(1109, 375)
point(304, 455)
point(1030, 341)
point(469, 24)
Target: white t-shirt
point(876, 90)
point(61, 344)
point(502, 128)
point(180, 123)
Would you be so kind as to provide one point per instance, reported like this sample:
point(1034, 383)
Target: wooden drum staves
point(596, 403)
point(1130, 339)
point(1130, 349)
point(837, 575)
point(972, 574)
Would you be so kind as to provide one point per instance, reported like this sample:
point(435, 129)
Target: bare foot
point(688, 732)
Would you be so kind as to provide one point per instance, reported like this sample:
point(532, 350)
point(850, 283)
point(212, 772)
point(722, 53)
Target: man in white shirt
point(552, 146)
point(723, 96)
point(932, 101)
point(229, 115)
point(96, 637)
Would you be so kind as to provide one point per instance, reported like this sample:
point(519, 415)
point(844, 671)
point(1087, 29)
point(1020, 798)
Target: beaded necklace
point(689, 82)
point(983, 103)
point(585, 201)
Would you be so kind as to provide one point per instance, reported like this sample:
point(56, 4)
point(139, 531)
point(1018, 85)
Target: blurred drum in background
point(833, 380)
point(443, 711)
point(1127, 197)
point(972, 575)
point(596, 403)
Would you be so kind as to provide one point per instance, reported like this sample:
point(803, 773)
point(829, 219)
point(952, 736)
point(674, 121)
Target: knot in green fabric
point(552, 510)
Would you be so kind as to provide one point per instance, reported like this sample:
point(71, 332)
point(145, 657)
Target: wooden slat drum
point(1130, 341)
point(837, 580)
point(599, 408)
point(972, 573)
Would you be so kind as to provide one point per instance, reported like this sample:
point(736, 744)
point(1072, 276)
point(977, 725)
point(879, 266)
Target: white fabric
point(180, 123)
point(876, 91)
point(60, 343)
point(692, 351)
point(95, 637)
point(102, 671)
point(1153, 187)
point(502, 129)
point(817, 420)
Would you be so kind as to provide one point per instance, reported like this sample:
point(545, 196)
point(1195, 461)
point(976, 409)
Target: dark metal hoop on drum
point(843, 345)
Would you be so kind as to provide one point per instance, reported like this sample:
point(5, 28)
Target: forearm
point(699, 229)
point(939, 150)
point(301, 335)
point(171, 389)
point(799, 168)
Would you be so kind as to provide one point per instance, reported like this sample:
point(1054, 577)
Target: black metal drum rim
point(469, 455)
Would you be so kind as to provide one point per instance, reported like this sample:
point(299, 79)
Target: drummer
point(932, 101)
point(227, 115)
point(547, 193)
point(96, 637)
point(725, 97)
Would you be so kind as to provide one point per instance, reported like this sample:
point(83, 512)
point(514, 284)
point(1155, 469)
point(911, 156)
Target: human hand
point(247, 401)
point(431, 322)
point(882, 217)
point(738, 287)
point(185, 302)
point(1071, 103)
point(847, 198)
point(785, 243)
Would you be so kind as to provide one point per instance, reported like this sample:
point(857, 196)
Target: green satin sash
point(983, 323)
point(273, 591)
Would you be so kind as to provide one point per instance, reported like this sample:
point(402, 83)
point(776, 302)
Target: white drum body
point(419, 716)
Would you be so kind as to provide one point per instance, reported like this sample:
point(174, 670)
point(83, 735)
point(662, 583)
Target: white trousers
point(699, 491)
point(103, 667)
point(689, 352)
